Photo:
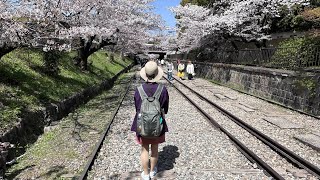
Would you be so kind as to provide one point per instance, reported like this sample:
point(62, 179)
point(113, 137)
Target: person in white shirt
point(162, 62)
point(170, 70)
point(190, 70)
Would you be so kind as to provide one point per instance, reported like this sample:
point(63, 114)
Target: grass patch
point(24, 86)
point(64, 149)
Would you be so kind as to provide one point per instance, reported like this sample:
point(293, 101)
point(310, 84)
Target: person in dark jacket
point(151, 73)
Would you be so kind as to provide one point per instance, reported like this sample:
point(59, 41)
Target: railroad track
point(290, 156)
point(103, 136)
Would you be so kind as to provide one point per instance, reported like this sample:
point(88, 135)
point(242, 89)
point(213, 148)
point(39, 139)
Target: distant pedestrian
point(170, 68)
point(190, 70)
point(144, 61)
point(148, 92)
point(162, 62)
point(181, 70)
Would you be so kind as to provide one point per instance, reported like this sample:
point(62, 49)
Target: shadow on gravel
point(107, 101)
point(79, 127)
point(15, 173)
point(55, 171)
point(167, 157)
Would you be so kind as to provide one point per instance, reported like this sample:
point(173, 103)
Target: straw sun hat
point(151, 72)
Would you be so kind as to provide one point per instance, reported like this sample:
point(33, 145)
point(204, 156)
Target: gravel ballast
point(193, 148)
point(263, 109)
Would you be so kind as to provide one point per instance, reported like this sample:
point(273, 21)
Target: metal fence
point(284, 58)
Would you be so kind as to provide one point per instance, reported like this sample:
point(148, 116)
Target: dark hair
point(152, 76)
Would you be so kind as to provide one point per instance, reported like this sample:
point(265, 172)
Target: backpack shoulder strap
point(158, 92)
point(142, 93)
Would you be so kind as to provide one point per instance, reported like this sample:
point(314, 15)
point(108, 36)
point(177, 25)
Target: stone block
point(245, 108)
point(288, 87)
point(220, 96)
point(286, 102)
point(274, 84)
point(297, 102)
point(264, 82)
point(231, 96)
point(283, 93)
point(258, 86)
point(261, 93)
point(291, 103)
point(278, 92)
point(282, 122)
point(311, 140)
point(264, 88)
point(281, 99)
point(316, 133)
point(256, 80)
point(248, 106)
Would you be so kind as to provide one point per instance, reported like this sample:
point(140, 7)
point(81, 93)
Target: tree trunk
point(83, 58)
point(122, 56)
point(234, 45)
point(89, 48)
point(84, 53)
point(112, 55)
point(5, 50)
point(51, 65)
point(261, 44)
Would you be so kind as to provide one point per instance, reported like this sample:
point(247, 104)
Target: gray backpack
point(149, 123)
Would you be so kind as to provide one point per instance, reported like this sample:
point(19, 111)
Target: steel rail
point(251, 156)
point(99, 144)
point(280, 149)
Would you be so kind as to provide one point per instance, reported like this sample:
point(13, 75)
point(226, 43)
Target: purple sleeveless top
point(150, 89)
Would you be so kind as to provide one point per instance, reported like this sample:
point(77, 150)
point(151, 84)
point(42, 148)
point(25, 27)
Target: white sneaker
point(154, 172)
point(145, 177)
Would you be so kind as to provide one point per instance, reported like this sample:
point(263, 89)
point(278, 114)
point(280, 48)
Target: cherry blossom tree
point(12, 32)
point(168, 42)
point(84, 25)
point(137, 28)
point(246, 19)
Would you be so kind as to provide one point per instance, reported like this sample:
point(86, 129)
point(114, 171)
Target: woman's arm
point(137, 100)
point(164, 100)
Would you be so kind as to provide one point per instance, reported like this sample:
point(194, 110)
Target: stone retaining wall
point(298, 90)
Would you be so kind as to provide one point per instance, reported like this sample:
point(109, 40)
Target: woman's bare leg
point(145, 158)
point(154, 156)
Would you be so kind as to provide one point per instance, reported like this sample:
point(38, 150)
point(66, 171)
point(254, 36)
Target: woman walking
point(180, 70)
point(170, 68)
point(190, 70)
point(151, 73)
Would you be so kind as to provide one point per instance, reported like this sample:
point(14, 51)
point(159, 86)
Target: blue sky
point(161, 7)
